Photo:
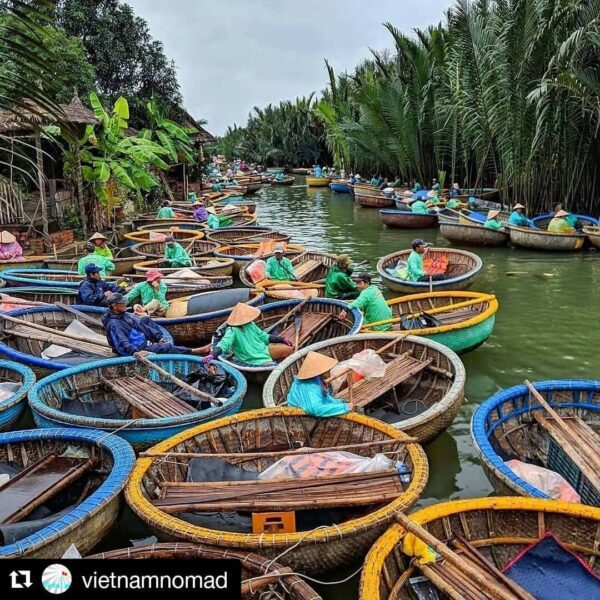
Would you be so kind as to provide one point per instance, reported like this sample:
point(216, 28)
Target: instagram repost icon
point(56, 579)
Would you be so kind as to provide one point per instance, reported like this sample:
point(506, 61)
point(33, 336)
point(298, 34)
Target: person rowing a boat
point(414, 269)
point(200, 213)
point(279, 267)
point(370, 302)
point(310, 392)
point(10, 249)
point(338, 283)
point(90, 257)
point(492, 221)
point(517, 217)
point(175, 255)
point(249, 344)
point(166, 211)
point(129, 334)
point(93, 290)
point(152, 294)
point(100, 246)
point(560, 223)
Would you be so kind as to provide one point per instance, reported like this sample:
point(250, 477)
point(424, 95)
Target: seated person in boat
point(492, 221)
point(100, 246)
point(311, 393)
point(375, 181)
point(455, 191)
point(397, 183)
point(249, 344)
point(453, 203)
point(129, 334)
point(216, 187)
point(414, 269)
point(371, 303)
point(383, 185)
point(191, 197)
point(10, 249)
point(93, 290)
point(200, 213)
point(338, 283)
point(280, 176)
point(571, 219)
point(175, 255)
point(166, 211)
point(150, 295)
point(90, 257)
point(517, 216)
point(416, 187)
point(355, 178)
point(212, 221)
point(419, 207)
point(279, 267)
point(318, 172)
point(436, 187)
point(560, 223)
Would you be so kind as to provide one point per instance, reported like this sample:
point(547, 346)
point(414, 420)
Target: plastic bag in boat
point(75, 328)
point(545, 480)
point(325, 464)
point(366, 363)
point(256, 270)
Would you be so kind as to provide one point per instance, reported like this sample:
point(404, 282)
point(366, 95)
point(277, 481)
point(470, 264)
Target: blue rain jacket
point(91, 293)
point(308, 395)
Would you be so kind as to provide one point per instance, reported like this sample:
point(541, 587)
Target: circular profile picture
point(56, 579)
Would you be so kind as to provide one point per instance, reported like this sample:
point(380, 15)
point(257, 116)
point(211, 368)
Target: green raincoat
point(146, 293)
point(418, 206)
point(338, 283)
point(166, 212)
point(102, 263)
point(177, 256)
point(493, 224)
point(373, 306)
point(106, 252)
point(280, 271)
point(248, 343)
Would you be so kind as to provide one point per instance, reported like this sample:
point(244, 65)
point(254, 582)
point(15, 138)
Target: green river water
point(546, 327)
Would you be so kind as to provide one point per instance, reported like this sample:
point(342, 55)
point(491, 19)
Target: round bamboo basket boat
point(289, 290)
point(240, 235)
point(370, 197)
point(159, 224)
point(505, 427)
point(405, 219)
point(28, 262)
point(537, 239)
point(97, 509)
point(204, 265)
point(88, 383)
point(310, 266)
point(179, 235)
point(462, 269)
point(244, 254)
point(499, 528)
point(542, 221)
point(13, 406)
point(124, 264)
point(593, 235)
point(47, 295)
point(473, 235)
point(461, 329)
point(317, 181)
point(310, 550)
point(27, 350)
point(238, 220)
point(199, 327)
point(284, 181)
point(195, 248)
point(438, 392)
point(248, 205)
point(273, 312)
point(254, 568)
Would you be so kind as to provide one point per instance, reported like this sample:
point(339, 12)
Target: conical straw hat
point(211, 210)
point(518, 205)
point(562, 213)
point(97, 236)
point(493, 213)
point(315, 364)
point(6, 237)
point(242, 314)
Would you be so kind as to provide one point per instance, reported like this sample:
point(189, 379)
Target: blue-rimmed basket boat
point(206, 313)
point(340, 187)
point(240, 235)
point(461, 272)
point(13, 407)
point(29, 351)
point(97, 509)
point(28, 262)
point(406, 219)
point(204, 265)
point(506, 426)
point(322, 324)
point(123, 263)
point(87, 385)
point(471, 234)
point(46, 278)
point(157, 249)
point(542, 221)
point(49, 295)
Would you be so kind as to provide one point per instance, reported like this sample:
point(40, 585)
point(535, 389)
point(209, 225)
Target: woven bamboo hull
point(124, 266)
point(370, 200)
point(243, 254)
point(462, 270)
point(324, 548)
point(272, 292)
point(495, 444)
point(157, 249)
point(44, 294)
point(248, 205)
point(542, 240)
point(442, 397)
point(286, 181)
point(593, 235)
point(407, 220)
point(141, 432)
point(500, 528)
point(542, 221)
point(252, 188)
point(271, 313)
point(93, 517)
point(224, 268)
point(13, 407)
point(318, 181)
point(224, 236)
point(30, 262)
point(189, 224)
point(473, 235)
point(183, 236)
point(339, 187)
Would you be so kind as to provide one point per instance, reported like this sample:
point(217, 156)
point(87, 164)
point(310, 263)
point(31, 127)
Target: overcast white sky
point(236, 54)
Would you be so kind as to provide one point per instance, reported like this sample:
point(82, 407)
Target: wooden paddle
point(287, 315)
point(80, 315)
point(297, 326)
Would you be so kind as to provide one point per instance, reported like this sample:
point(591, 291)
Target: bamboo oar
point(287, 315)
point(433, 311)
point(178, 382)
point(80, 315)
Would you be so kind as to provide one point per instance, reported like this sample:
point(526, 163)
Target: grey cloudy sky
point(236, 54)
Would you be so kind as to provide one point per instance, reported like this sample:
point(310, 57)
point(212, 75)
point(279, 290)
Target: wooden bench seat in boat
point(402, 368)
point(358, 489)
point(305, 268)
point(311, 324)
point(148, 398)
point(37, 484)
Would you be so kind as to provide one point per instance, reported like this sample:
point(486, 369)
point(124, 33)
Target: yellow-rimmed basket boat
point(498, 528)
point(124, 263)
point(203, 265)
point(318, 181)
point(421, 392)
point(244, 254)
point(179, 235)
point(195, 248)
point(159, 224)
point(465, 319)
point(312, 550)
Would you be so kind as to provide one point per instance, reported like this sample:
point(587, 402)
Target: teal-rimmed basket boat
point(13, 407)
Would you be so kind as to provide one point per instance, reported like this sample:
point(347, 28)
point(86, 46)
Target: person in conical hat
point(10, 249)
point(200, 213)
point(492, 221)
point(279, 267)
point(560, 223)
point(247, 342)
point(517, 217)
point(311, 392)
point(213, 220)
point(101, 248)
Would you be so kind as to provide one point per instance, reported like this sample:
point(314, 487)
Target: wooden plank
point(312, 323)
